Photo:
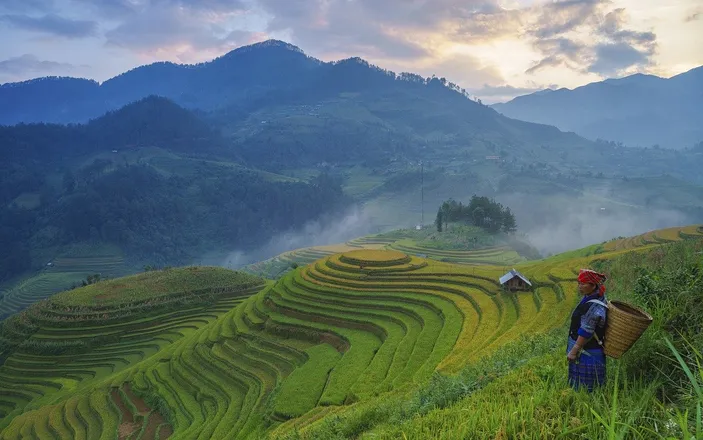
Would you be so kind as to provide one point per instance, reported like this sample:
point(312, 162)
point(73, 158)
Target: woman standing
point(586, 333)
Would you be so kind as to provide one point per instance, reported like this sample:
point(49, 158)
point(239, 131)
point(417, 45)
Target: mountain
point(280, 108)
point(151, 121)
point(638, 110)
point(242, 74)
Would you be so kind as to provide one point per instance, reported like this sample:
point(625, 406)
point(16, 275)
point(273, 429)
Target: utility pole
point(422, 193)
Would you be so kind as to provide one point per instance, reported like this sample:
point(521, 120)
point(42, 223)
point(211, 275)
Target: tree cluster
point(165, 219)
point(482, 212)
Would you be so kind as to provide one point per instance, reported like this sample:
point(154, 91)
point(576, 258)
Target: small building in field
point(514, 280)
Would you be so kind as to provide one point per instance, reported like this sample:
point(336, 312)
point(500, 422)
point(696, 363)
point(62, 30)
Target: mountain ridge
point(638, 110)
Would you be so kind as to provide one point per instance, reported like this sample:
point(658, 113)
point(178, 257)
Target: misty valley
point(266, 245)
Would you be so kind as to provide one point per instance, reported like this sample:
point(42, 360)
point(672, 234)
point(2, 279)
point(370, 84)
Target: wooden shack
point(514, 280)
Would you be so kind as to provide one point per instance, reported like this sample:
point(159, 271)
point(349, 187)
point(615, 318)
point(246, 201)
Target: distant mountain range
point(242, 74)
point(278, 106)
point(638, 110)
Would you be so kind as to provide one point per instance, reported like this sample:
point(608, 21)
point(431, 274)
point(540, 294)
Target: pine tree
point(509, 224)
point(438, 220)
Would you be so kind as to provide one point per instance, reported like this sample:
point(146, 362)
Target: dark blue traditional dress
point(588, 319)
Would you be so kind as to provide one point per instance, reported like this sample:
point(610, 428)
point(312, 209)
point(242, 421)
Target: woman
point(586, 333)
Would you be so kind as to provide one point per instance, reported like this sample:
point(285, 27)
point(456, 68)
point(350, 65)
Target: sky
point(496, 49)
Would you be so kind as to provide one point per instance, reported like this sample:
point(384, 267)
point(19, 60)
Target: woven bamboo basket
point(625, 325)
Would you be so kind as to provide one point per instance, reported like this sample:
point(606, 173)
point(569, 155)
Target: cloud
point(614, 57)
point(612, 28)
point(486, 26)
point(125, 8)
point(491, 94)
point(693, 15)
point(348, 28)
point(560, 51)
point(180, 32)
point(52, 24)
point(504, 90)
point(30, 65)
point(26, 5)
point(611, 50)
point(560, 17)
point(464, 66)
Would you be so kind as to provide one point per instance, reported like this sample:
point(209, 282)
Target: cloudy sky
point(495, 48)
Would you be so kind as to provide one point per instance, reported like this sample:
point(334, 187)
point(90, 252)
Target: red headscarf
point(593, 277)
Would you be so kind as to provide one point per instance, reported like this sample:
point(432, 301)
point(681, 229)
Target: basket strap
point(599, 302)
point(604, 305)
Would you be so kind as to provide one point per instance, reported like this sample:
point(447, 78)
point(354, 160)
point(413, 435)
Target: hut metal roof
point(512, 274)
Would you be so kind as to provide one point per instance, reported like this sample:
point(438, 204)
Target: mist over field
point(580, 227)
point(354, 222)
point(557, 224)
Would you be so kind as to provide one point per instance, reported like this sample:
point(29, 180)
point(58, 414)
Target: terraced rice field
point(65, 273)
point(34, 289)
point(659, 236)
point(60, 357)
point(490, 256)
point(281, 264)
point(348, 327)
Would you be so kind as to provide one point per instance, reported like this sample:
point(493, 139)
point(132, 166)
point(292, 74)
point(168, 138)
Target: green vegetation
point(72, 268)
point(481, 212)
point(151, 179)
point(301, 391)
point(153, 285)
point(365, 343)
point(67, 350)
point(520, 391)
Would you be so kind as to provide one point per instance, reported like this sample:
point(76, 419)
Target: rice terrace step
point(212, 353)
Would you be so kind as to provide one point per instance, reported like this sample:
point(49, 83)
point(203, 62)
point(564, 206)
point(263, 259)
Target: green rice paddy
point(201, 353)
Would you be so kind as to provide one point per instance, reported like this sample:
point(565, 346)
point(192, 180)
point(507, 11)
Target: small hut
point(514, 280)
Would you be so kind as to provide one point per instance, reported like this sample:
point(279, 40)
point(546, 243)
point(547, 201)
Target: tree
point(481, 211)
point(478, 216)
point(438, 220)
point(92, 279)
point(509, 224)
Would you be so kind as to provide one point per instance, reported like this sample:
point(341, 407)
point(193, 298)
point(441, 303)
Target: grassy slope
point(69, 267)
point(235, 370)
point(74, 262)
point(66, 350)
point(648, 394)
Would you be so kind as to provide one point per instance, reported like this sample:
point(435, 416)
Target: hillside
point(347, 336)
point(272, 101)
point(152, 182)
point(151, 121)
point(638, 110)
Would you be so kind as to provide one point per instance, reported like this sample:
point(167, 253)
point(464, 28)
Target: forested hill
point(152, 121)
point(279, 108)
point(151, 178)
point(278, 79)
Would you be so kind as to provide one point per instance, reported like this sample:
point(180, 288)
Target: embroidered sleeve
point(594, 317)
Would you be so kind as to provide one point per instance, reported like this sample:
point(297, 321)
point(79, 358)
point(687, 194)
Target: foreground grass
point(655, 391)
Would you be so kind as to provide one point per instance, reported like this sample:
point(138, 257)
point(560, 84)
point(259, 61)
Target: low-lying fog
point(552, 224)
